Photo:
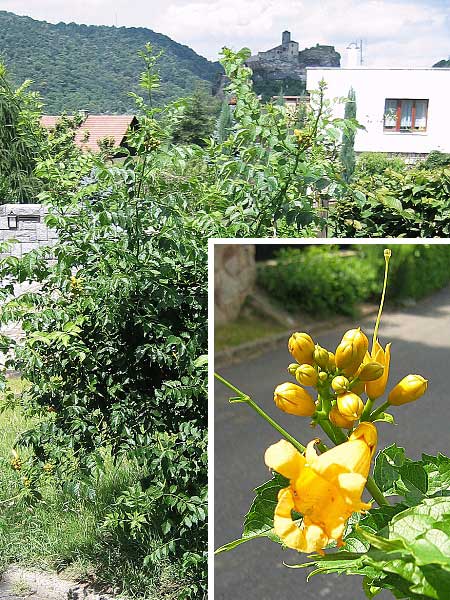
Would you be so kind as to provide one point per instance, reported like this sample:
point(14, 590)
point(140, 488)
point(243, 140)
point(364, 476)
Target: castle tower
point(286, 38)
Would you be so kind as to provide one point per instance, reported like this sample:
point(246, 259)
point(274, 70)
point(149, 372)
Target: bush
point(376, 163)
point(320, 280)
point(414, 203)
point(436, 159)
point(415, 270)
point(113, 341)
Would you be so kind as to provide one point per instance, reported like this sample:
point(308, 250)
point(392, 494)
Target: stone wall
point(25, 223)
point(234, 279)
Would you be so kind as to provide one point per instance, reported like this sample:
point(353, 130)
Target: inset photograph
point(331, 421)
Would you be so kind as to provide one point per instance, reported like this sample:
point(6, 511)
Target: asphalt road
point(420, 339)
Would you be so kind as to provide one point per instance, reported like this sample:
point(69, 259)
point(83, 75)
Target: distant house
point(404, 111)
point(97, 128)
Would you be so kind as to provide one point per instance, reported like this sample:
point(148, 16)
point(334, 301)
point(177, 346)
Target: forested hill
point(443, 64)
point(77, 67)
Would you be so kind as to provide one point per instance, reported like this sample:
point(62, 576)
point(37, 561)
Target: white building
point(404, 111)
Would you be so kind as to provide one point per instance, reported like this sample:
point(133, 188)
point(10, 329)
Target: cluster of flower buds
point(340, 379)
point(16, 461)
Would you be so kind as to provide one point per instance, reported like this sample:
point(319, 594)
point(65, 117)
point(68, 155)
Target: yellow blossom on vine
point(323, 489)
point(376, 388)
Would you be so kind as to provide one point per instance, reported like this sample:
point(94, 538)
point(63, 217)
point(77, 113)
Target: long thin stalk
point(247, 400)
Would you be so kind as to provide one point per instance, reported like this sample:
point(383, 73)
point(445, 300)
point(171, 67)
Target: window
point(405, 115)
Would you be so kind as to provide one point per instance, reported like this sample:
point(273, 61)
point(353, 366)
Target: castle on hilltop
point(288, 49)
point(285, 65)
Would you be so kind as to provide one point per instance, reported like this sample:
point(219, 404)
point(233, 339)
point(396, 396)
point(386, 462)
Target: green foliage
point(224, 122)
point(347, 153)
point(197, 122)
point(95, 67)
point(435, 160)
point(268, 88)
point(113, 337)
point(401, 547)
point(395, 203)
point(21, 139)
point(377, 163)
point(271, 180)
point(259, 519)
point(320, 280)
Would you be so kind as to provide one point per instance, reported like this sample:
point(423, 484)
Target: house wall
point(372, 87)
point(31, 230)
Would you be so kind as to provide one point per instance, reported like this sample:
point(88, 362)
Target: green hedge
point(324, 281)
point(319, 280)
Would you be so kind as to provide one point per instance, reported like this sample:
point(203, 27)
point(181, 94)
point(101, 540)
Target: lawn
point(65, 533)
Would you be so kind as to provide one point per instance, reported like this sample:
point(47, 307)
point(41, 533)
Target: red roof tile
point(96, 128)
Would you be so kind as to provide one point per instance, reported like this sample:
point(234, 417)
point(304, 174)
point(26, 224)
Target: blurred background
point(262, 294)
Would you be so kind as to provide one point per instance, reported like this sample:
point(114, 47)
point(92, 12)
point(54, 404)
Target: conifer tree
point(347, 154)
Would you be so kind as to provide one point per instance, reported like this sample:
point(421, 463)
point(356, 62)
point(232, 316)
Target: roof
point(96, 128)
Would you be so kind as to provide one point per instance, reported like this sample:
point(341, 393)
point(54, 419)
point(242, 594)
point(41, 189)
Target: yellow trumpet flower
point(325, 489)
point(376, 388)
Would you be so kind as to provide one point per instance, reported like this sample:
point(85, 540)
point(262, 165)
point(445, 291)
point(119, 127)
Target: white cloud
point(395, 32)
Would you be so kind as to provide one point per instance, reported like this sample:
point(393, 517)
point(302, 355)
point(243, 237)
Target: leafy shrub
point(377, 163)
point(319, 280)
point(414, 203)
point(415, 270)
point(436, 159)
point(113, 338)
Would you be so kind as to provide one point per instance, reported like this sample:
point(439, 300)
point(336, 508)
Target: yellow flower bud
point(358, 387)
point(370, 371)
point(409, 389)
point(337, 419)
point(321, 357)
point(301, 346)
point(350, 405)
point(340, 384)
point(351, 351)
point(292, 368)
point(292, 399)
point(331, 361)
point(323, 376)
point(306, 375)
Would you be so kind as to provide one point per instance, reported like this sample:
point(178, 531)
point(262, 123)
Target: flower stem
point(247, 400)
point(380, 410)
point(367, 410)
point(377, 494)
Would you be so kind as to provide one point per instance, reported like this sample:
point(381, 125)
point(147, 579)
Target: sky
point(402, 33)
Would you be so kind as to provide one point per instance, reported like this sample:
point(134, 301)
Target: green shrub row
point(324, 280)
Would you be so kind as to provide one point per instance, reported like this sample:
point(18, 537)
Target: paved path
point(420, 344)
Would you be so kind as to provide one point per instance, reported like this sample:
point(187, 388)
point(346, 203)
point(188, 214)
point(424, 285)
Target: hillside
point(442, 64)
point(77, 67)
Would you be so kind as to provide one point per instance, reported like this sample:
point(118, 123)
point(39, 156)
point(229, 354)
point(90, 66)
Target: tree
point(224, 122)
point(198, 120)
point(347, 153)
point(21, 139)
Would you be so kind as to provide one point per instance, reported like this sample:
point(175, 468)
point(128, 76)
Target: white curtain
point(390, 113)
point(406, 118)
point(421, 114)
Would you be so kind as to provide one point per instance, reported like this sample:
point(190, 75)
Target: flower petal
point(283, 458)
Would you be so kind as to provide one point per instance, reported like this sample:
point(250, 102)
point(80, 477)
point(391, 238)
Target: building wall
point(372, 87)
point(234, 278)
point(31, 231)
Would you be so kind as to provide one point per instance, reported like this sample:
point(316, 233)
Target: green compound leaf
point(259, 519)
point(387, 463)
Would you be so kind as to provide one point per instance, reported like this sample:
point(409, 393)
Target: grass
point(65, 533)
point(245, 328)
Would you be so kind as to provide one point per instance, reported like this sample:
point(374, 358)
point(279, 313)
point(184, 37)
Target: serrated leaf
point(386, 467)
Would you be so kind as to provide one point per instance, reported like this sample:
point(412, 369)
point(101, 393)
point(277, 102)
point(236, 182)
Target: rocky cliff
point(270, 75)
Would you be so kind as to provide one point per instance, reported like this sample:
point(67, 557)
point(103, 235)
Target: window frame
point(398, 115)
